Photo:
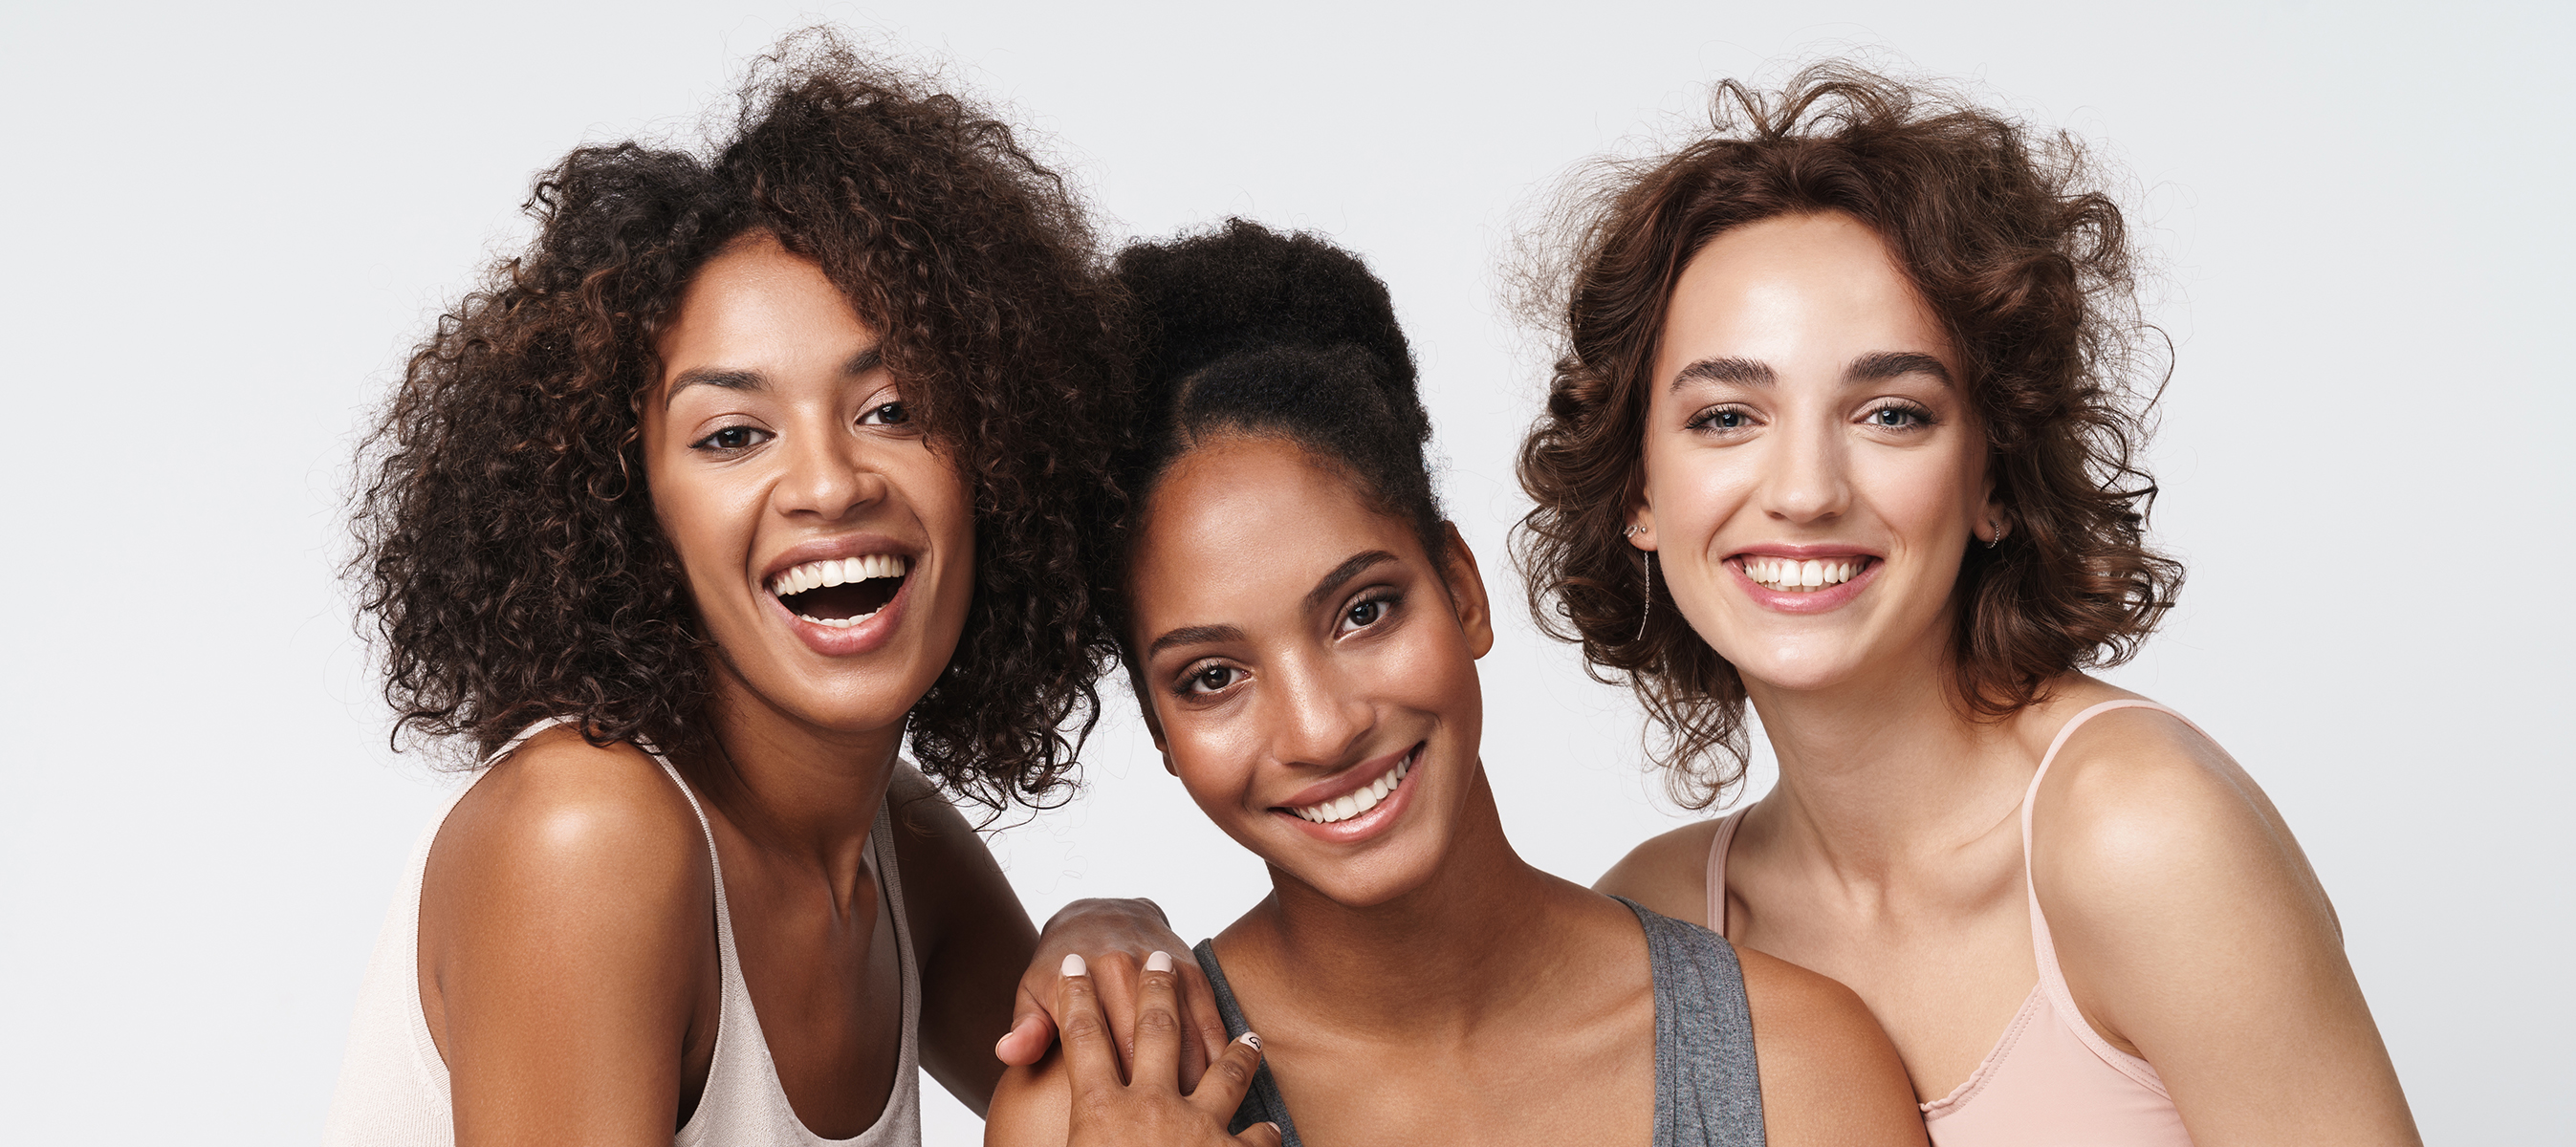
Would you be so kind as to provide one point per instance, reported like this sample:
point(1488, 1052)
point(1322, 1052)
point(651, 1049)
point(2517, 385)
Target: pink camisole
point(2051, 1081)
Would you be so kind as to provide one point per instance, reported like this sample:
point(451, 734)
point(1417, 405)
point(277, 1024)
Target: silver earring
point(1649, 610)
point(1996, 533)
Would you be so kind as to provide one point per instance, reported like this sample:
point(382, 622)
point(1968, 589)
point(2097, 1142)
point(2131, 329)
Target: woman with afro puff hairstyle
point(1840, 429)
point(1302, 629)
point(753, 468)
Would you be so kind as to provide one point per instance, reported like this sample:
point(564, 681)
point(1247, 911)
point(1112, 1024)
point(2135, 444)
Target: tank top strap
point(1717, 846)
point(2052, 980)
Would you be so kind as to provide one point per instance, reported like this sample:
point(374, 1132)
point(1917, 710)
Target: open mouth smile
point(840, 592)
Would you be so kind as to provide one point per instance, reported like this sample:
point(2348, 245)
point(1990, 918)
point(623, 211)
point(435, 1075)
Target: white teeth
point(836, 571)
point(1360, 800)
point(1783, 574)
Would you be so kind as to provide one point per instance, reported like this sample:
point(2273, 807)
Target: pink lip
point(1819, 601)
point(865, 637)
point(1368, 824)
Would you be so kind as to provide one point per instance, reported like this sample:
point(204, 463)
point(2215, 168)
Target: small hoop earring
point(1996, 536)
point(1649, 610)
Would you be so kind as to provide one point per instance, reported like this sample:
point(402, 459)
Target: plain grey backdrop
point(226, 224)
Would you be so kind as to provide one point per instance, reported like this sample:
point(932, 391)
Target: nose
point(1315, 721)
point(1808, 478)
point(826, 477)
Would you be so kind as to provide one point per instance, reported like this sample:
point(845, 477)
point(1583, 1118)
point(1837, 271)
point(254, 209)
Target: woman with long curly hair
point(750, 470)
point(1841, 429)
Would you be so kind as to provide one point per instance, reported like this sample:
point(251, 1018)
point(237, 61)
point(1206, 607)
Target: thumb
point(1032, 1033)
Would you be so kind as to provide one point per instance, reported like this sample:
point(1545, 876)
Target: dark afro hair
point(510, 558)
point(1251, 332)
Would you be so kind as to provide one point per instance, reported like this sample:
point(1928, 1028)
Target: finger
point(1115, 974)
point(1202, 1025)
point(1221, 1090)
point(1260, 1135)
point(1087, 1054)
point(1032, 1031)
point(1157, 1058)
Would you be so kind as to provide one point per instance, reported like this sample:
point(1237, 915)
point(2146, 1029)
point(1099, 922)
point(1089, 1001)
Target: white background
point(226, 223)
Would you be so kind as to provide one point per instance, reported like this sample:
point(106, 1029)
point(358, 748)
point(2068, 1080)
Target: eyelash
point(1701, 420)
point(1922, 417)
point(1385, 599)
point(710, 444)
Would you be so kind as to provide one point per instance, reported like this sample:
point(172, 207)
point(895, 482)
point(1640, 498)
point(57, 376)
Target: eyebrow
point(736, 379)
point(1351, 567)
point(1876, 366)
point(1194, 635)
point(1879, 366)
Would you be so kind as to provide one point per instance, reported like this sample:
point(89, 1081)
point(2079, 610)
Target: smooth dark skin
point(1423, 984)
point(567, 954)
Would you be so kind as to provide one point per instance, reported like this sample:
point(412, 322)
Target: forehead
point(1791, 287)
point(756, 305)
point(1244, 520)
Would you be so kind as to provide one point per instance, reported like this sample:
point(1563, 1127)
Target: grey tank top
point(1707, 1093)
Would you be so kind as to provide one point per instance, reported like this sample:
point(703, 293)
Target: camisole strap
point(2052, 980)
point(1717, 847)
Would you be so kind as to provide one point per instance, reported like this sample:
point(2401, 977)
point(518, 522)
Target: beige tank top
point(393, 1083)
point(2051, 1080)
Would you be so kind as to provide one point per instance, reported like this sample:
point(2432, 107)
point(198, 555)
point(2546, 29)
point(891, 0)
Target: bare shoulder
point(1032, 1106)
point(564, 819)
point(2142, 814)
point(1668, 873)
point(1829, 1072)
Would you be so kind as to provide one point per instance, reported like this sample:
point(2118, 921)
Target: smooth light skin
point(1423, 984)
point(567, 963)
point(2191, 930)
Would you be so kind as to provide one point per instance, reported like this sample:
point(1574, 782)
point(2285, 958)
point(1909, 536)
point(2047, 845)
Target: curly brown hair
point(2030, 270)
point(510, 559)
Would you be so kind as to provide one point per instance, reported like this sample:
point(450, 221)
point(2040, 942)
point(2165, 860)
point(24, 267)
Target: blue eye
point(1721, 418)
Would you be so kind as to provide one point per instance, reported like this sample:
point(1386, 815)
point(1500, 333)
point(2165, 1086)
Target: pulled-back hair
point(2029, 270)
point(1251, 332)
point(511, 561)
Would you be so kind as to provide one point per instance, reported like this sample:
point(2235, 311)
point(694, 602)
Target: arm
point(565, 950)
point(1074, 1097)
point(1829, 1074)
point(2193, 933)
point(970, 936)
point(987, 974)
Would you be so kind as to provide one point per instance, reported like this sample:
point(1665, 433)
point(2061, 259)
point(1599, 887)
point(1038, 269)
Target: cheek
point(1924, 496)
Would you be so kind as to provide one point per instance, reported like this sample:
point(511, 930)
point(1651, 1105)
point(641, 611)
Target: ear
point(1640, 529)
point(1993, 522)
point(1467, 591)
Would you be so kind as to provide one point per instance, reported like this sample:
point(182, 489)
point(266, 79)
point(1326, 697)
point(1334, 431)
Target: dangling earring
point(1996, 535)
point(1649, 610)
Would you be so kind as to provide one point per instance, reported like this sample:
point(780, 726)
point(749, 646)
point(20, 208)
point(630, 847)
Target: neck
point(1882, 770)
point(1481, 933)
point(793, 789)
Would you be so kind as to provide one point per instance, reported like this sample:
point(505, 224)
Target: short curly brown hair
point(510, 559)
point(2030, 271)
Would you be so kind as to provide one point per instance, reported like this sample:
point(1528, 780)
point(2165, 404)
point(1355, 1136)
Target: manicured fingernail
point(1250, 1040)
point(1159, 962)
point(1073, 965)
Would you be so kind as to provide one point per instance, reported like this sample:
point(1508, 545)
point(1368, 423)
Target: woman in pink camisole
point(1840, 429)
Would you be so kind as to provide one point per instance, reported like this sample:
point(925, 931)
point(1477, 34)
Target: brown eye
point(890, 414)
point(1364, 614)
point(1213, 679)
point(730, 438)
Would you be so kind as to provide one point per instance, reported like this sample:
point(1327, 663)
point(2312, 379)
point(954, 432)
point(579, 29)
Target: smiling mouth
point(1788, 575)
point(1361, 799)
point(840, 592)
